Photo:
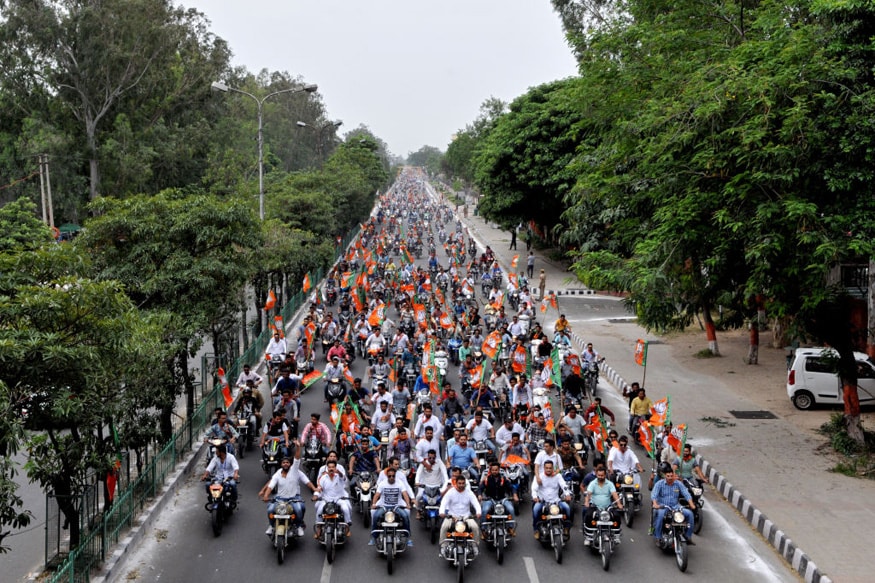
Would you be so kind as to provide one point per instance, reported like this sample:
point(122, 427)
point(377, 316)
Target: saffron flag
point(596, 427)
point(226, 389)
point(271, 301)
point(518, 365)
point(573, 361)
point(375, 318)
point(660, 412)
point(307, 283)
point(420, 315)
point(641, 352)
point(279, 326)
point(514, 261)
point(446, 321)
point(677, 437)
point(311, 378)
point(647, 438)
point(544, 306)
point(476, 376)
point(491, 344)
point(499, 300)
point(515, 459)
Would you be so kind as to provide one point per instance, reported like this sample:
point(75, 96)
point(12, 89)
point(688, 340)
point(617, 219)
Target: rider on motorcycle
point(332, 488)
point(222, 429)
point(550, 488)
point(248, 375)
point(320, 430)
point(223, 467)
point(599, 493)
point(458, 502)
point(665, 495)
point(250, 398)
point(623, 460)
point(494, 489)
point(287, 481)
point(391, 493)
point(431, 473)
point(334, 371)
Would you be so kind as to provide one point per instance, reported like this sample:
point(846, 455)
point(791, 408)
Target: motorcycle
point(515, 474)
point(270, 456)
point(551, 529)
point(629, 493)
point(313, 458)
point(496, 530)
point(335, 390)
point(696, 492)
point(441, 361)
point(214, 443)
point(429, 515)
point(453, 345)
point(572, 477)
point(591, 377)
point(303, 366)
point(541, 397)
point(672, 536)
point(274, 363)
point(459, 547)
point(362, 487)
point(245, 431)
point(391, 538)
point(484, 454)
point(219, 504)
point(604, 533)
point(283, 517)
point(334, 530)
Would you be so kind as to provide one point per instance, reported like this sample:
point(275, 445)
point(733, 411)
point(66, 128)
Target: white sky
point(413, 71)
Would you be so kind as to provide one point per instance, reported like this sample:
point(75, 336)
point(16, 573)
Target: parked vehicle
point(813, 380)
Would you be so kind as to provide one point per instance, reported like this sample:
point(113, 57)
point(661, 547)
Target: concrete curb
point(799, 561)
point(115, 563)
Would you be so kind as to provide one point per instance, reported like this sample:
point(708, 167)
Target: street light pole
point(320, 135)
point(217, 86)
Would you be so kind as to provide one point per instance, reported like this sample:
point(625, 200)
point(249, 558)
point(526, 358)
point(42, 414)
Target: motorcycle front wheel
point(680, 554)
point(557, 548)
point(460, 572)
point(629, 515)
point(499, 549)
point(216, 519)
point(434, 530)
point(280, 551)
point(390, 556)
point(697, 527)
point(329, 548)
point(606, 552)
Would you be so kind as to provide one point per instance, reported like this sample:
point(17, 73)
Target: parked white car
point(812, 379)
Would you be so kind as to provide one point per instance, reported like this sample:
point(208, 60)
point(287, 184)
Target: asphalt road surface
point(181, 546)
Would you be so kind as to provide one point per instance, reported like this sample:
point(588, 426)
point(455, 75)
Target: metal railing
point(97, 542)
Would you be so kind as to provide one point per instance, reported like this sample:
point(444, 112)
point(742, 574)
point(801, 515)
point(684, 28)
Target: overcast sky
point(414, 71)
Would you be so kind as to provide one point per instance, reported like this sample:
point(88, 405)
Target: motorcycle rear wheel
point(216, 519)
point(680, 555)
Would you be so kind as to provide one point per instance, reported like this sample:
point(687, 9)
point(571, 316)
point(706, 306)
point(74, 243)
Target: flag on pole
point(519, 360)
point(514, 261)
point(555, 367)
point(647, 437)
point(279, 326)
point(311, 378)
point(491, 344)
point(226, 389)
point(641, 352)
point(307, 283)
point(271, 301)
point(677, 438)
point(660, 412)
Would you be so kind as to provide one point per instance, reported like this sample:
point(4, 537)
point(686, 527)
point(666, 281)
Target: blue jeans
point(538, 507)
point(488, 504)
point(660, 518)
point(380, 512)
point(297, 506)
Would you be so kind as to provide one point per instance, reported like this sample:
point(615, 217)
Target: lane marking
point(326, 572)
point(530, 569)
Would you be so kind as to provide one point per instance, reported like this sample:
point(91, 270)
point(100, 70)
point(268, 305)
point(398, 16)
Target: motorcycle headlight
point(365, 486)
point(498, 510)
point(390, 516)
point(432, 500)
point(628, 479)
point(604, 516)
point(554, 510)
point(283, 508)
point(696, 491)
point(460, 527)
point(678, 516)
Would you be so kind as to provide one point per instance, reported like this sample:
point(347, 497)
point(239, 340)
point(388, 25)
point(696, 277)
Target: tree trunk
point(710, 329)
point(754, 348)
point(852, 412)
point(68, 507)
point(182, 364)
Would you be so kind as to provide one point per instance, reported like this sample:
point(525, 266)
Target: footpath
point(775, 472)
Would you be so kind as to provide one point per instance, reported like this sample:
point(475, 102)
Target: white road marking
point(530, 569)
point(326, 572)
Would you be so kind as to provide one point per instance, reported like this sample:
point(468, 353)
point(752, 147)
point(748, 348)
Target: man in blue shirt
point(460, 455)
point(665, 496)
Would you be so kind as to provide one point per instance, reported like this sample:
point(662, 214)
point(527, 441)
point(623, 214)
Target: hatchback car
point(812, 379)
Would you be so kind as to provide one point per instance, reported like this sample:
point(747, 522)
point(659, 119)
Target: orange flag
point(660, 412)
point(279, 326)
point(307, 283)
point(271, 301)
point(514, 261)
point(226, 389)
point(677, 437)
point(519, 360)
point(490, 344)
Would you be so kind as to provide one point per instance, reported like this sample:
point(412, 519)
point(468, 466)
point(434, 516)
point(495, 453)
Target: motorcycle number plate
point(601, 523)
point(281, 516)
point(366, 497)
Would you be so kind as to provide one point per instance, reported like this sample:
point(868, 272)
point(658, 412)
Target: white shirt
point(455, 503)
point(223, 470)
point(333, 490)
point(552, 488)
point(622, 461)
point(252, 376)
point(503, 435)
point(543, 457)
point(479, 432)
point(288, 486)
point(521, 396)
point(433, 422)
point(437, 476)
point(391, 494)
point(276, 346)
point(423, 445)
point(324, 470)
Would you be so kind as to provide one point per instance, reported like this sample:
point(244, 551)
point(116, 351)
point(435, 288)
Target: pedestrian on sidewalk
point(542, 283)
point(513, 238)
point(530, 265)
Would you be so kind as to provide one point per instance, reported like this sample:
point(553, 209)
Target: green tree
point(427, 157)
point(20, 229)
point(12, 513)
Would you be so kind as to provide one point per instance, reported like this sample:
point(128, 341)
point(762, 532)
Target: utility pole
point(45, 187)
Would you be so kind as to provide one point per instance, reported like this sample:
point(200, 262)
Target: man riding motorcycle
point(287, 481)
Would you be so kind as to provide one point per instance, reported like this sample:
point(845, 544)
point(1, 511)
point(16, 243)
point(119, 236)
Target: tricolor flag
point(271, 301)
point(311, 378)
point(226, 389)
point(641, 352)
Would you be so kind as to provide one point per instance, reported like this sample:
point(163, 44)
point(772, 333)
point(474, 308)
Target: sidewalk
point(775, 472)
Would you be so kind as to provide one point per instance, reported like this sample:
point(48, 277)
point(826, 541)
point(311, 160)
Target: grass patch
point(705, 353)
point(857, 461)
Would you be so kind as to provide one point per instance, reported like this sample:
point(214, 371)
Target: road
point(181, 546)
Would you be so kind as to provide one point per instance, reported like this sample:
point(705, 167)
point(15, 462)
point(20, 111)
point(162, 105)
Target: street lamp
point(320, 134)
point(217, 86)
